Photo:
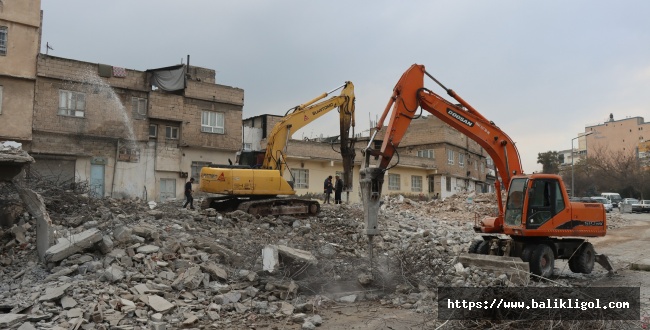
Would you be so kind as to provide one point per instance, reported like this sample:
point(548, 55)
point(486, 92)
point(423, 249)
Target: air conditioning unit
point(182, 174)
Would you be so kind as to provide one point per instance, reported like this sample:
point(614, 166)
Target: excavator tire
point(483, 248)
point(527, 252)
point(473, 248)
point(542, 261)
point(584, 259)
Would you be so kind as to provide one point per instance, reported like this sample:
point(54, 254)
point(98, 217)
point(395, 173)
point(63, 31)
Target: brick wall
point(216, 93)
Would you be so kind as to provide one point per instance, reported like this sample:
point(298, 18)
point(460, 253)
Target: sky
point(540, 70)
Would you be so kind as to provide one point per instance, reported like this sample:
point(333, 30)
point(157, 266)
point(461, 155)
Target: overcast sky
point(541, 70)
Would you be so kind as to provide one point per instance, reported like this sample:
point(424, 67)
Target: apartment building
point(20, 26)
point(127, 133)
point(613, 136)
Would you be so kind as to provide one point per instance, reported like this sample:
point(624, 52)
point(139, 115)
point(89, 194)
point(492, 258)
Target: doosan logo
point(460, 118)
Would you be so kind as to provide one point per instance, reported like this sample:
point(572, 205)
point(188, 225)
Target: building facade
point(614, 136)
point(109, 127)
point(20, 30)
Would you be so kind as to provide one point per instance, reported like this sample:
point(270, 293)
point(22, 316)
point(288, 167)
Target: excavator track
point(263, 207)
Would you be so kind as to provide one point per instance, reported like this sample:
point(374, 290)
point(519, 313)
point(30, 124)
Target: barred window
point(461, 160)
point(3, 40)
point(416, 183)
point(393, 181)
point(196, 169)
point(450, 157)
point(301, 178)
point(139, 105)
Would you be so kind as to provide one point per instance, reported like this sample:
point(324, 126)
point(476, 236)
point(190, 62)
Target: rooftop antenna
point(47, 48)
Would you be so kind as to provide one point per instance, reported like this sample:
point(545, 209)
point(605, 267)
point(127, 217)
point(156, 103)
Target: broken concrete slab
point(148, 249)
point(643, 264)
point(518, 271)
point(216, 272)
point(9, 320)
point(54, 293)
point(190, 279)
point(70, 245)
point(296, 255)
point(159, 304)
point(36, 207)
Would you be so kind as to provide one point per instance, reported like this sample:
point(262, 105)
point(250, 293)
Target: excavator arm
point(299, 116)
point(408, 96)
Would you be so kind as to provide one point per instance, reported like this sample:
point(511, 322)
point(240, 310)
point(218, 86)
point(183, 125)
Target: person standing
point(188, 194)
point(327, 189)
point(338, 189)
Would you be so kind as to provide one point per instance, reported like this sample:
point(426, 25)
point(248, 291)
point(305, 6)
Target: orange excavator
point(538, 222)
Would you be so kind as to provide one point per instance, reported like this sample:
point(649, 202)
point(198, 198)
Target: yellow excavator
point(254, 184)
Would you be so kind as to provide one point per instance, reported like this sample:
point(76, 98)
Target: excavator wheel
point(583, 260)
point(473, 248)
point(527, 252)
point(542, 261)
point(483, 248)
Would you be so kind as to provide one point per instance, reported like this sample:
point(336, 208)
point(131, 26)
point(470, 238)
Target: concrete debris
point(133, 264)
point(68, 246)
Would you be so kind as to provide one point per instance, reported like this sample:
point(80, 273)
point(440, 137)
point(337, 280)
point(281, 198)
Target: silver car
point(608, 206)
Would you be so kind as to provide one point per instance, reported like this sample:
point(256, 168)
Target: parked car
point(628, 201)
point(641, 206)
point(613, 198)
point(606, 203)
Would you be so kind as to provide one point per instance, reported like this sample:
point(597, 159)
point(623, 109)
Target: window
point(72, 103)
point(476, 165)
point(448, 183)
point(490, 162)
point(212, 122)
point(425, 153)
point(0, 100)
point(461, 160)
point(3, 40)
point(153, 130)
point(393, 181)
point(126, 154)
point(301, 178)
point(416, 183)
point(171, 132)
point(196, 169)
point(139, 105)
point(450, 157)
point(482, 167)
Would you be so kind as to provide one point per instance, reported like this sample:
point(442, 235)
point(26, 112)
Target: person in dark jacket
point(338, 189)
point(327, 189)
point(188, 194)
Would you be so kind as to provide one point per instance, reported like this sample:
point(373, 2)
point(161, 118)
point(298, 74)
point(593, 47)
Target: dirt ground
point(622, 245)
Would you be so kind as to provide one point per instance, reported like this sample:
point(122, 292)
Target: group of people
point(337, 187)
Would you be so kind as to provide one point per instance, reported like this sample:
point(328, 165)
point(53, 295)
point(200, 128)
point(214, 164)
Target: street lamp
point(573, 193)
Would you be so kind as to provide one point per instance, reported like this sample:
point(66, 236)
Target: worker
point(338, 189)
point(188, 194)
point(327, 189)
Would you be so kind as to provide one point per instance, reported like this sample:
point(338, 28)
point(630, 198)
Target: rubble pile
point(128, 264)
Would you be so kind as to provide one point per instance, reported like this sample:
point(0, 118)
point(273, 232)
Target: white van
point(613, 198)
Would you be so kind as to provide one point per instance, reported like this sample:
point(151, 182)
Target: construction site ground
point(129, 264)
point(625, 246)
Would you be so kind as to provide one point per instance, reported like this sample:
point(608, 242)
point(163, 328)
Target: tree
point(550, 161)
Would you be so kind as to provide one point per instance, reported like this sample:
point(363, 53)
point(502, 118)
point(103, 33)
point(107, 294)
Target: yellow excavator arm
point(299, 116)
